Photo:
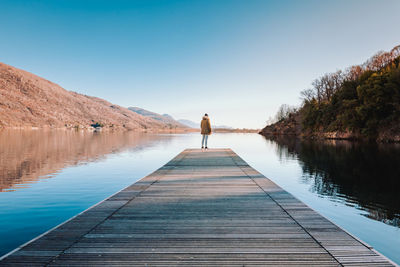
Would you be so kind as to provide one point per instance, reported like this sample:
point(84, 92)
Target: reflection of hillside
point(26, 156)
point(364, 175)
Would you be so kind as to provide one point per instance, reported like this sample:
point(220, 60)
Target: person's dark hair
point(206, 114)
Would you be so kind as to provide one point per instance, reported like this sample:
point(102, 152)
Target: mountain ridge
point(27, 100)
point(164, 118)
point(193, 124)
point(189, 123)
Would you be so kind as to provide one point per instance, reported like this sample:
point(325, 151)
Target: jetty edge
point(201, 208)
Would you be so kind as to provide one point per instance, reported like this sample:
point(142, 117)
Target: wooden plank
point(202, 208)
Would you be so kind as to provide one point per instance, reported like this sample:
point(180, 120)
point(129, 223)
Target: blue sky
point(236, 60)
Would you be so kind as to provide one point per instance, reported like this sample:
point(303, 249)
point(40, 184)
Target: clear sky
point(236, 60)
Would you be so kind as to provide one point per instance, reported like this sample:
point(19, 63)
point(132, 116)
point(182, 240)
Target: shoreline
point(335, 136)
point(122, 129)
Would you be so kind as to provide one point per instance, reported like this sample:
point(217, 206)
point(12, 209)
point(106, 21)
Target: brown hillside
point(27, 100)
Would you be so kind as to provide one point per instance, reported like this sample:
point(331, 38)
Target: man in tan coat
point(205, 130)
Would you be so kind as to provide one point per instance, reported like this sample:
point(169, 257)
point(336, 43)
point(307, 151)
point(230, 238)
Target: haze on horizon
point(236, 60)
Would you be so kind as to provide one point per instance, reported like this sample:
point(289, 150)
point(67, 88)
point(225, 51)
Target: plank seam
point(361, 242)
point(244, 171)
point(68, 220)
point(134, 197)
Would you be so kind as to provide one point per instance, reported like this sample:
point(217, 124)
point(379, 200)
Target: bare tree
point(284, 112)
point(353, 73)
point(318, 88)
point(328, 84)
point(270, 120)
point(378, 61)
point(395, 52)
point(307, 94)
point(337, 78)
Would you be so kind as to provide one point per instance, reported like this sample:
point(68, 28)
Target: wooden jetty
point(201, 208)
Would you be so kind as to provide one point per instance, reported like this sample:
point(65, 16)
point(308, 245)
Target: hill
point(362, 102)
point(189, 123)
point(27, 100)
point(165, 118)
point(196, 125)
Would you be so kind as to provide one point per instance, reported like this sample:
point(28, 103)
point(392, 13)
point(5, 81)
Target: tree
point(365, 98)
point(353, 73)
point(318, 88)
point(284, 112)
point(307, 94)
point(395, 52)
point(378, 61)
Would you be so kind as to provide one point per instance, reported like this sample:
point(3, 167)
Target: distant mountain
point(189, 123)
point(27, 100)
point(222, 127)
point(165, 118)
point(168, 117)
point(193, 124)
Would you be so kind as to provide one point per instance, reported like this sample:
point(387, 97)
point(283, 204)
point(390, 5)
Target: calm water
point(47, 177)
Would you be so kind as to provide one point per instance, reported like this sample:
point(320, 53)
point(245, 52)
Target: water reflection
point(87, 167)
point(27, 156)
point(365, 176)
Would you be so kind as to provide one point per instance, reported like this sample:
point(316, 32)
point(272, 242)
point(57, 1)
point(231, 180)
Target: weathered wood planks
point(201, 208)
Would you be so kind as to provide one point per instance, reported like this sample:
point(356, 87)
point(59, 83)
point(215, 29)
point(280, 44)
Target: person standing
point(205, 130)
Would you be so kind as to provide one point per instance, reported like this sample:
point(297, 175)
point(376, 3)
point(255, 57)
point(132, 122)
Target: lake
point(46, 177)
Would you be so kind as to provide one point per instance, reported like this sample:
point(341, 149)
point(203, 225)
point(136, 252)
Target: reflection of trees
point(284, 152)
point(364, 175)
point(26, 156)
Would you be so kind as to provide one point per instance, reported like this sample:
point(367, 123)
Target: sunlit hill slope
point(27, 100)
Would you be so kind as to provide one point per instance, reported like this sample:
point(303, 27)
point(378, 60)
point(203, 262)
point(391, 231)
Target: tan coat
point(205, 126)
